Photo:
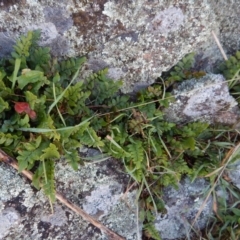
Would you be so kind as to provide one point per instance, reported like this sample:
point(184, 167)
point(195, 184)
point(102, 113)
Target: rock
point(182, 206)
point(97, 188)
point(205, 99)
point(136, 40)
point(233, 172)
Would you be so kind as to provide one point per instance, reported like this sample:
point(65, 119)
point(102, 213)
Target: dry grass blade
point(224, 164)
point(111, 235)
point(219, 46)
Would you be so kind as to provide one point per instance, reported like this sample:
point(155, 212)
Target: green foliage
point(182, 71)
point(31, 82)
point(46, 112)
point(231, 71)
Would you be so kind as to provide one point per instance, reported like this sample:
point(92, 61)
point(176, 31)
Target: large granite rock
point(137, 40)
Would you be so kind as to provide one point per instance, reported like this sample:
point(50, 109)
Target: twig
point(224, 164)
point(219, 46)
point(112, 235)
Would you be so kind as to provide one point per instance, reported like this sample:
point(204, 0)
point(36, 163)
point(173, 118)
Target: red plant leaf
point(32, 114)
point(21, 107)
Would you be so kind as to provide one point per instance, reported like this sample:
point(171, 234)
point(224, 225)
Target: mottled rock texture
point(137, 40)
point(204, 99)
point(97, 188)
point(182, 206)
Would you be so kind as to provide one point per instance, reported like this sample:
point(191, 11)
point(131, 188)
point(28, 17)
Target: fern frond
point(69, 67)
point(49, 183)
point(90, 138)
point(39, 58)
point(22, 48)
point(135, 149)
point(73, 158)
point(151, 231)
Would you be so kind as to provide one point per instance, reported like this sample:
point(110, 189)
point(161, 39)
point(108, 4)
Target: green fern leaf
point(31, 77)
point(151, 231)
point(75, 98)
point(30, 153)
point(3, 105)
point(5, 92)
point(69, 67)
point(136, 151)
point(39, 57)
point(73, 158)
point(49, 184)
point(51, 152)
point(76, 131)
point(7, 139)
point(90, 138)
point(48, 123)
point(22, 48)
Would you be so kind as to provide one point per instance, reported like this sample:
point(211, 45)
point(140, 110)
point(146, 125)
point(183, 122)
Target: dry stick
point(112, 235)
point(219, 46)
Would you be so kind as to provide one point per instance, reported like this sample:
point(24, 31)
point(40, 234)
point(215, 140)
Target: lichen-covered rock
point(233, 171)
point(205, 99)
point(136, 40)
point(182, 206)
point(97, 188)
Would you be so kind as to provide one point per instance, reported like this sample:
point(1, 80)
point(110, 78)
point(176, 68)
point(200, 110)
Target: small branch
point(112, 235)
point(219, 46)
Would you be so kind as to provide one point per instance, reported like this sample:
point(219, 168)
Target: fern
point(136, 159)
point(75, 98)
point(69, 67)
point(151, 231)
point(22, 47)
point(39, 58)
point(29, 153)
point(101, 87)
point(73, 158)
point(90, 138)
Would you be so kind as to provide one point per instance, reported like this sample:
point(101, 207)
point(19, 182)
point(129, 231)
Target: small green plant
point(231, 71)
point(47, 111)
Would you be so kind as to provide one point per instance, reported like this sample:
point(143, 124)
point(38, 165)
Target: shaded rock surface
point(204, 99)
point(97, 188)
point(136, 40)
point(182, 206)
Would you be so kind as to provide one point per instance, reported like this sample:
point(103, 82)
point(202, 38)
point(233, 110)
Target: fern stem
point(46, 182)
point(15, 72)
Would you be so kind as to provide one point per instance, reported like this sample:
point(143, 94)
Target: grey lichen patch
point(60, 17)
point(58, 218)
point(171, 19)
point(7, 40)
point(233, 171)
point(48, 32)
point(182, 205)
point(130, 226)
point(99, 190)
point(201, 99)
point(95, 185)
point(102, 199)
point(12, 185)
point(140, 38)
point(9, 217)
